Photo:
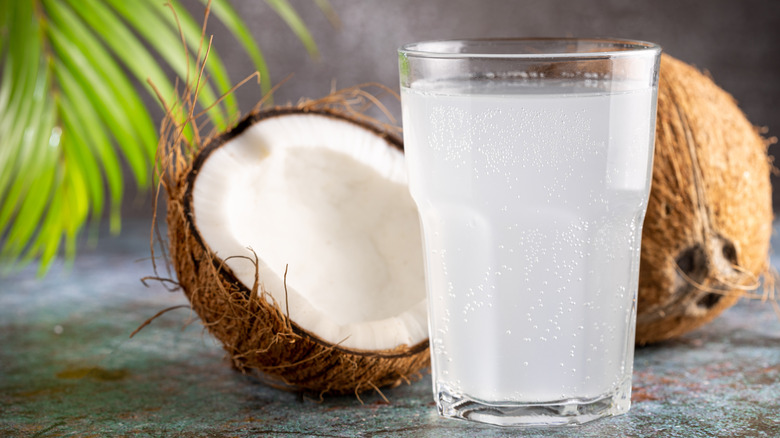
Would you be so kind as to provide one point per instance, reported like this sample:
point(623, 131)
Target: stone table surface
point(69, 368)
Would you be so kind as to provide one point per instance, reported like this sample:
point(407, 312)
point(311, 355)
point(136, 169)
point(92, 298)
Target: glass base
point(556, 413)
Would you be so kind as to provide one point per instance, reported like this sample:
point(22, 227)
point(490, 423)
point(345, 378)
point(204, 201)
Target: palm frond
point(228, 15)
point(193, 32)
point(329, 12)
point(70, 107)
point(293, 20)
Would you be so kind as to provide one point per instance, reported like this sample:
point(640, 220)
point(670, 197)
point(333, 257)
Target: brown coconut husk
point(705, 240)
point(254, 329)
point(706, 236)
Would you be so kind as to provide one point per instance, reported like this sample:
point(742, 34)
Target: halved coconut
point(297, 242)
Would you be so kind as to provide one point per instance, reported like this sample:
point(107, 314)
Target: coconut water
point(531, 197)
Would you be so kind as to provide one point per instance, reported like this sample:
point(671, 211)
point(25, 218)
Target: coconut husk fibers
point(706, 235)
point(252, 327)
point(705, 244)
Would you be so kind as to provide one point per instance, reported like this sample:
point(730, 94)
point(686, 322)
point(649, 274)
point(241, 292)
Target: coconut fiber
point(705, 244)
point(254, 328)
point(705, 241)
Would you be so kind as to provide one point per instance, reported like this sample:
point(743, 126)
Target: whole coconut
point(706, 235)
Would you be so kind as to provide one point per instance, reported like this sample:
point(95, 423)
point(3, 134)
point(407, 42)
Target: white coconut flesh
point(328, 199)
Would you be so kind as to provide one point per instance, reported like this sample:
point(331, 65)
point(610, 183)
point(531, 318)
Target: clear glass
point(530, 163)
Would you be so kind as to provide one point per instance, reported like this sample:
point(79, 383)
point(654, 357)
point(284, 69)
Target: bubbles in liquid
point(554, 164)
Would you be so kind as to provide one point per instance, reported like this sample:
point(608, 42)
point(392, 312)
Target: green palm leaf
point(70, 109)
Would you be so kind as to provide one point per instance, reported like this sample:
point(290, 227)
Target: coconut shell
point(705, 242)
point(706, 235)
point(253, 328)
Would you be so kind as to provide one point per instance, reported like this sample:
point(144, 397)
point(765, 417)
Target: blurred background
point(65, 62)
point(737, 42)
point(68, 367)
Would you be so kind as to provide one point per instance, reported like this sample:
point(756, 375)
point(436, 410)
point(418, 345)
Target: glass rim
point(620, 47)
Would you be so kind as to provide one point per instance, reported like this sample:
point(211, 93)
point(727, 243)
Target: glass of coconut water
point(530, 163)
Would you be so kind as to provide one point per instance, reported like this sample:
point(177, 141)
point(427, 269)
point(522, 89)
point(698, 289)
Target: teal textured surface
point(69, 368)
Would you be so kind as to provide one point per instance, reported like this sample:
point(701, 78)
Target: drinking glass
point(530, 163)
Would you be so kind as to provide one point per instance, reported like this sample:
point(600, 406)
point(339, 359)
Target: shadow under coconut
point(380, 396)
point(748, 325)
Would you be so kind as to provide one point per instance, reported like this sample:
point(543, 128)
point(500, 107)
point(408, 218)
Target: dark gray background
point(734, 40)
